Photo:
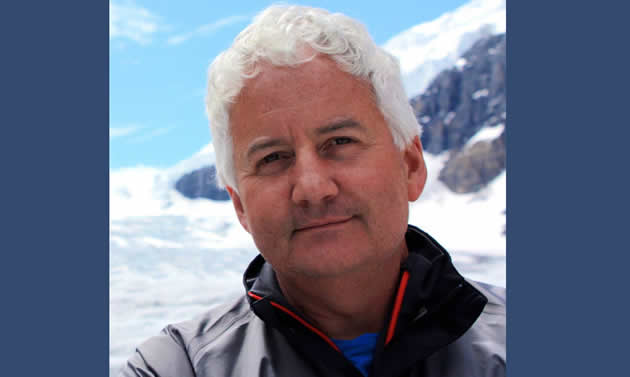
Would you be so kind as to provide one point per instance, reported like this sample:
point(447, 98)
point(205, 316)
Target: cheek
point(266, 208)
point(385, 175)
point(384, 186)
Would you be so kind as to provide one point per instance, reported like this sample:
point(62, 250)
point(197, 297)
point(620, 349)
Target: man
point(320, 152)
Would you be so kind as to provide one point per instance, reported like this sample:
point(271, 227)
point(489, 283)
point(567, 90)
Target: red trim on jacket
point(397, 304)
point(297, 318)
point(392, 324)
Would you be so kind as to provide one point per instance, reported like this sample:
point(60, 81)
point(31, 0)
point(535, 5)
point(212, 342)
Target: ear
point(238, 207)
point(416, 169)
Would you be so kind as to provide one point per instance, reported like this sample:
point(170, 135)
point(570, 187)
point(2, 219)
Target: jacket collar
point(432, 277)
point(438, 305)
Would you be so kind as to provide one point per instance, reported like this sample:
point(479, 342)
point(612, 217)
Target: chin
point(324, 261)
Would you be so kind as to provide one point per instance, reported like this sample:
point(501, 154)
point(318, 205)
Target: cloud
point(137, 133)
point(207, 29)
point(116, 132)
point(132, 22)
point(152, 134)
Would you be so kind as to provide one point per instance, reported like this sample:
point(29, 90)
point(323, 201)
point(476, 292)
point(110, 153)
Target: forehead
point(308, 94)
point(315, 76)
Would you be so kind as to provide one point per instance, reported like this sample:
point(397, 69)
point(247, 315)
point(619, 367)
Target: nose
point(312, 181)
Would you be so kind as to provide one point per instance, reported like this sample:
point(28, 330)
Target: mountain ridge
point(426, 49)
point(460, 103)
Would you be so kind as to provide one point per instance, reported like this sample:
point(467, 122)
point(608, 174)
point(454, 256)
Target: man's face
point(323, 189)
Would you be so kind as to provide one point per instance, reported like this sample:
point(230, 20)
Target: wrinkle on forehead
point(294, 107)
point(272, 77)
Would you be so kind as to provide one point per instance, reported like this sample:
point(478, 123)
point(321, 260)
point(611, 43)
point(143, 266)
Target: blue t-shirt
point(359, 350)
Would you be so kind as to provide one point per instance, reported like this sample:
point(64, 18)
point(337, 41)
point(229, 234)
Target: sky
point(159, 52)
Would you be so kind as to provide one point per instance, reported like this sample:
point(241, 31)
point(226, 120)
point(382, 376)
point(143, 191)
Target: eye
point(339, 146)
point(273, 159)
point(341, 140)
point(270, 158)
point(274, 163)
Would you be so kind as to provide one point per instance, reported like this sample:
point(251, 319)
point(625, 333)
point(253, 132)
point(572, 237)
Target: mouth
point(323, 224)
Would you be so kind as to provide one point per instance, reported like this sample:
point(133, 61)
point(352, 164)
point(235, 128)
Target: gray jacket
point(444, 326)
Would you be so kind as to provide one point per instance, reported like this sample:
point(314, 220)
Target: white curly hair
point(278, 35)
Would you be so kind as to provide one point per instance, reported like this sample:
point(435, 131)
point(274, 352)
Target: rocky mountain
point(427, 49)
point(201, 184)
point(457, 105)
point(470, 170)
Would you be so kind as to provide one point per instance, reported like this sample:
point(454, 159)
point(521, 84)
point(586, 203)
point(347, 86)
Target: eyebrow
point(328, 128)
point(262, 145)
point(339, 124)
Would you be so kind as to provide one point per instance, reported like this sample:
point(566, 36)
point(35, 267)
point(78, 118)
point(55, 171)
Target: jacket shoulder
point(173, 352)
point(490, 327)
point(496, 297)
point(487, 337)
point(480, 351)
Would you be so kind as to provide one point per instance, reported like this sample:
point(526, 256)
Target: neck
point(346, 306)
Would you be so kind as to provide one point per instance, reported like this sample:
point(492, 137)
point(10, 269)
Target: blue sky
point(159, 52)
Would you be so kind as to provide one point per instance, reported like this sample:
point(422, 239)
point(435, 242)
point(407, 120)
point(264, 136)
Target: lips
point(322, 224)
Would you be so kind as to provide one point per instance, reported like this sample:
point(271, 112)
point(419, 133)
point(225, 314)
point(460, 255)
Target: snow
point(480, 93)
point(449, 118)
point(486, 134)
point(461, 63)
point(426, 49)
point(149, 191)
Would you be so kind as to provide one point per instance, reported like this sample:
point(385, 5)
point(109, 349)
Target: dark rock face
point(200, 184)
point(457, 104)
point(471, 169)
